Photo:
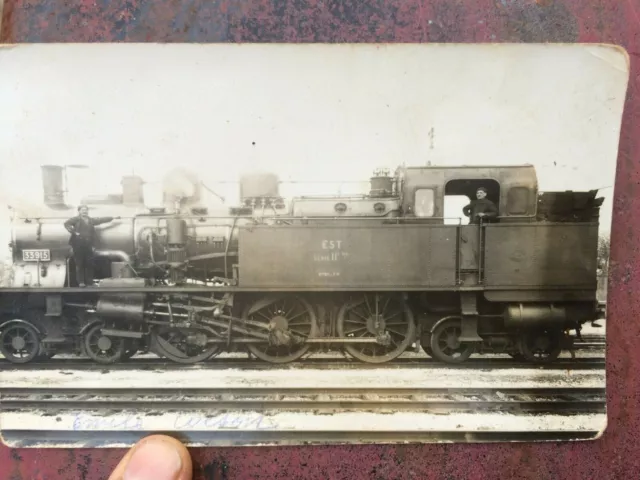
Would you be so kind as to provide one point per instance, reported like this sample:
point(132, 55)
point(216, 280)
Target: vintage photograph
point(305, 244)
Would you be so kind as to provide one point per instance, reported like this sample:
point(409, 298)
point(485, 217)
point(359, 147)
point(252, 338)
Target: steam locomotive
point(368, 274)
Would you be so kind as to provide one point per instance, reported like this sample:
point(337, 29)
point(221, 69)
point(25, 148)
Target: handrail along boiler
point(370, 274)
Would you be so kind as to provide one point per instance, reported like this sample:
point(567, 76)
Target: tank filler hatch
point(261, 190)
point(381, 183)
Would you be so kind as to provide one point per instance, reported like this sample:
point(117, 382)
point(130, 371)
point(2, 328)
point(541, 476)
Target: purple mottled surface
point(615, 455)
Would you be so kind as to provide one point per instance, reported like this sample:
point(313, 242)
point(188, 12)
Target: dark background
point(615, 455)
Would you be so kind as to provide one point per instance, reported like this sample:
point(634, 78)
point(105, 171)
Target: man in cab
point(481, 208)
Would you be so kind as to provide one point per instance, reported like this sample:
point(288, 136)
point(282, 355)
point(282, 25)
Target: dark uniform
point(83, 236)
point(480, 205)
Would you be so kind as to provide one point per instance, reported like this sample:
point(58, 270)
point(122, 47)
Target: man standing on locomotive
point(83, 236)
point(481, 208)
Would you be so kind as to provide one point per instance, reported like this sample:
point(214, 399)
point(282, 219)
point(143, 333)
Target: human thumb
point(157, 457)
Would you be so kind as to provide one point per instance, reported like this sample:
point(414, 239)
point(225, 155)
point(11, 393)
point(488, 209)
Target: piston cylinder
point(123, 307)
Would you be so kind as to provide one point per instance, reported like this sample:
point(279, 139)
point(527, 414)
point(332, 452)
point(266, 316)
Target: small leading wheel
point(540, 346)
point(101, 348)
point(288, 320)
point(377, 315)
point(446, 344)
point(19, 343)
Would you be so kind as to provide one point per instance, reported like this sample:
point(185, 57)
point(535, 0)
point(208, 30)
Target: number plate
point(36, 255)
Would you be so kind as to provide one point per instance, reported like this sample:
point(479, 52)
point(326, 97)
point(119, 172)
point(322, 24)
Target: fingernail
point(154, 461)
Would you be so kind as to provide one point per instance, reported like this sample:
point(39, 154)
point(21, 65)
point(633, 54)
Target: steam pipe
point(114, 255)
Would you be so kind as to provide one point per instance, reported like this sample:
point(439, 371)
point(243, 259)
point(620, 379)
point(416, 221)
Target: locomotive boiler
point(369, 274)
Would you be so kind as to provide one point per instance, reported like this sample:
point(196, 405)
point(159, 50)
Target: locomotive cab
point(437, 195)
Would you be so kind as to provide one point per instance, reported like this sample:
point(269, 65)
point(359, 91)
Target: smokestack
point(132, 190)
point(53, 185)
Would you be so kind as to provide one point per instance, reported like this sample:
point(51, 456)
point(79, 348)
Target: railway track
point(104, 417)
point(52, 401)
point(584, 363)
point(331, 400)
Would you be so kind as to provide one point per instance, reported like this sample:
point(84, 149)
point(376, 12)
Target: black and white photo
point(288, 244)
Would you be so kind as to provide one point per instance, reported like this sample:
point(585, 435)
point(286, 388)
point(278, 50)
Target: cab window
point(518, 201)
point(424, 205)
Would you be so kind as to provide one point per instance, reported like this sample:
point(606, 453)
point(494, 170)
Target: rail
point(411, 361)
